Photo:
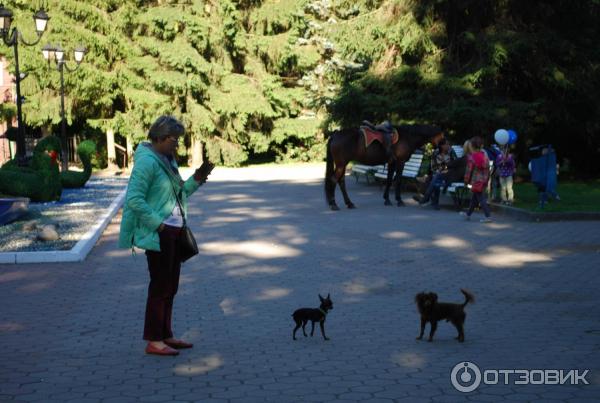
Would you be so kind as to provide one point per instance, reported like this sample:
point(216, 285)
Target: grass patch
point(575, 197)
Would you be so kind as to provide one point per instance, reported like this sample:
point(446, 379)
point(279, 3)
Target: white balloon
point(501, 136)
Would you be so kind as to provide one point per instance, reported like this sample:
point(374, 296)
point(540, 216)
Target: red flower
point(53, 155)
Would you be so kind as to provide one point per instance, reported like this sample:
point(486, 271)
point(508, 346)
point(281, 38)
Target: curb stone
point(524, 215)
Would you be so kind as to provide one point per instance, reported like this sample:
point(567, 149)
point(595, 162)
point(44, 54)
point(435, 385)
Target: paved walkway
point(72, 332)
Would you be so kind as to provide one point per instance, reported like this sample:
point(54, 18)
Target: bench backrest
point(413, 165)
point(458, 150)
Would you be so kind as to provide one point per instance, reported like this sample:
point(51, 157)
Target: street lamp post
point(51, 52)
point(12, 38)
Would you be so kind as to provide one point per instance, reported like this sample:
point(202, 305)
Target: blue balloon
point(512, 137)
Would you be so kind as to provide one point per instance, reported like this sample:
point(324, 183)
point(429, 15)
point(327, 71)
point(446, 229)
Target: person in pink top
point(477, 175)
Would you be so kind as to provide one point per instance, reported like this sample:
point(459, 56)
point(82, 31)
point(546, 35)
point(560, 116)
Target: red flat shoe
point(150, 349)
point(178, 344)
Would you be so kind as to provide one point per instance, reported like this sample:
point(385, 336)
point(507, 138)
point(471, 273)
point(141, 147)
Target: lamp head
point(41, 20)
point(48, 51)
point(80, 52)
point(59, 54)
point(5, 19)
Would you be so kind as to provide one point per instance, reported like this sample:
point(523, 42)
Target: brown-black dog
point(303, 315)
point(433, 311)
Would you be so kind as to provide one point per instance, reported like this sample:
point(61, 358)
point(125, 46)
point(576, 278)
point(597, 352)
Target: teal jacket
point(150, 198)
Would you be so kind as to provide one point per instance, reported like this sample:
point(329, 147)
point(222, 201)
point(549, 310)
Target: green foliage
point(275, 16)
point(163, 22)
point(40, 181)
point(7, 111)
point(75, 179)
point(234, 40)
point(474, 67)
point(297, 139)
point(247, 76)
point(239, 110)
point(208, 64)
point(279, 57)
point(177, 54)
point(226, 152)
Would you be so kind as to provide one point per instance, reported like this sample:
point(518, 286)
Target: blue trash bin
point(543, 172)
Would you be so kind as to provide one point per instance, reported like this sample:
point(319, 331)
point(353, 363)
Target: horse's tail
point(328, 171)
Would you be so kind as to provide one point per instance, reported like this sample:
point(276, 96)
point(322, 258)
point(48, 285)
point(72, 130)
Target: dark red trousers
point(164, 268)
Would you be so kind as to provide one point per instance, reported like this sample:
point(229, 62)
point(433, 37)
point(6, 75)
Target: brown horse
point(348, 145)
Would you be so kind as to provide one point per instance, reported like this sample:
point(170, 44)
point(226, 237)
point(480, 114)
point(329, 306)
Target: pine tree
point(262, 79)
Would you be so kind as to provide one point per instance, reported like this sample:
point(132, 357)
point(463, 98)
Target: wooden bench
point(458, 190)
point(368, 171)
point(411, 167)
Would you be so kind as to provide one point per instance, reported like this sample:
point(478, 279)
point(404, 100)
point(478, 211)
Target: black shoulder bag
point(187, 244)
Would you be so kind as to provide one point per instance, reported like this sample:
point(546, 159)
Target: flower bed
point(73, 215)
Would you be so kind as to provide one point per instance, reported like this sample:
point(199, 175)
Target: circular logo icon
point(465, 377)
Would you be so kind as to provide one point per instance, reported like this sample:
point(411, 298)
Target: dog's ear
point(320, 297)
point(434, 296)
point(328, 296)
point(418, 297)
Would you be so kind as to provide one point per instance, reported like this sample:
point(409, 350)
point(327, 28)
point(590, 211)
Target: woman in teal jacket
point(152, 220)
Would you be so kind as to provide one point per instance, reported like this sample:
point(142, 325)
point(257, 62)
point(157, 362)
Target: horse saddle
point(373, 132)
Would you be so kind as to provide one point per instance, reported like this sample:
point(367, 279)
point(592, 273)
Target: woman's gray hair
point(165, 126)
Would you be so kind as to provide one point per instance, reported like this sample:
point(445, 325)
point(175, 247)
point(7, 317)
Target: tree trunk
point(110, 148)
point(129, 145)
point(46, 131)
point(196, 158)
point(75, 143)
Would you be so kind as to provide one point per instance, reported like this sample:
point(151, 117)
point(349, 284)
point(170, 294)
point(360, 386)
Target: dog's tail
point(468, 297)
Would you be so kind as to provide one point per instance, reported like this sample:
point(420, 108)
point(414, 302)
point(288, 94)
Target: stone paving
point(72, 332)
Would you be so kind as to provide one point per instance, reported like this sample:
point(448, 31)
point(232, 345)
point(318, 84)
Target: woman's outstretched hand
point(202, 173)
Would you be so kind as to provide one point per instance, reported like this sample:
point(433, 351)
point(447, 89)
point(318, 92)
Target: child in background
point(506, 169)
point(478, 175)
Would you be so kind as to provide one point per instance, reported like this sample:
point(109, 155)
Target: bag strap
point(179, 204)
point(176, 198)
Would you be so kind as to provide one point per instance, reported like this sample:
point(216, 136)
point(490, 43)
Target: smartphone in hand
point(204, 153)
point(206, 167)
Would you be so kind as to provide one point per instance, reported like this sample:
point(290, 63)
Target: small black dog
point(433, 311)
point(303, 315)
